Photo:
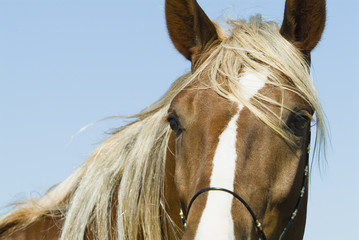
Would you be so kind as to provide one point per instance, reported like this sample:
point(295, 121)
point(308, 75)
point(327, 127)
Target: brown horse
point(226, 146)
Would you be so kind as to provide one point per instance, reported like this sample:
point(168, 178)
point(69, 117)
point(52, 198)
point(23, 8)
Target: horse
point(222, 155)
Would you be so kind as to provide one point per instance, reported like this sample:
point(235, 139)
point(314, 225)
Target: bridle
point(255, 219)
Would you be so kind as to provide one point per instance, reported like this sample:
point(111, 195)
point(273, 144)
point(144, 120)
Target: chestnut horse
point(222, 155)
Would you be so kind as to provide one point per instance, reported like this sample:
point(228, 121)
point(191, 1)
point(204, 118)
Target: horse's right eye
point(174, 124)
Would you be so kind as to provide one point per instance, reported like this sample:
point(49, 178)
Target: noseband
point(255, 219)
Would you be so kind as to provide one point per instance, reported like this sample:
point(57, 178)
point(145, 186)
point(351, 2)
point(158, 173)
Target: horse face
point(222, 143)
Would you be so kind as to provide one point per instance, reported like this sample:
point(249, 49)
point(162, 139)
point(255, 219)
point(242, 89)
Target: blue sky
point(67, 63)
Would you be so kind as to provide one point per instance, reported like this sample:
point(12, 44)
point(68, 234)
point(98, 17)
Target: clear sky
point(67, 63)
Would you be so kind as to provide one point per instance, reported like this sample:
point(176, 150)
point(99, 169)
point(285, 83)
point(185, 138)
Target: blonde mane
point(129, 168)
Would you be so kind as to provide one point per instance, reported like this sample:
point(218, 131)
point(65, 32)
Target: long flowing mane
point(118, 193)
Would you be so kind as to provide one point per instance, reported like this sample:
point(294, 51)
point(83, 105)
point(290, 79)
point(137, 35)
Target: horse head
point(241, 127)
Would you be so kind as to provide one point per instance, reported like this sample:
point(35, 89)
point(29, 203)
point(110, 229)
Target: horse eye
point(175, 124)
point(298, 123)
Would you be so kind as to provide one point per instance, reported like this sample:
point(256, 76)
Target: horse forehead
point(198, 101)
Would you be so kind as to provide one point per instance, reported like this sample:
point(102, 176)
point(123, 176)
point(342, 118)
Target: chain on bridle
point(255, 219)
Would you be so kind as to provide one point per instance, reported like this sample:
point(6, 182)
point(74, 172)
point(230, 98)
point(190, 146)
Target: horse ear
point(303, 23)
point(189, 27)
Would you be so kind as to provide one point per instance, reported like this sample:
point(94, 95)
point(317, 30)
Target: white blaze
point(216, 220)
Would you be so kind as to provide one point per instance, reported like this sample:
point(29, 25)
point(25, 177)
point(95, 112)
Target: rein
point(255, 219)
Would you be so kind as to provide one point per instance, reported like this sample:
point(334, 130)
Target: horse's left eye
point(298, 123)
